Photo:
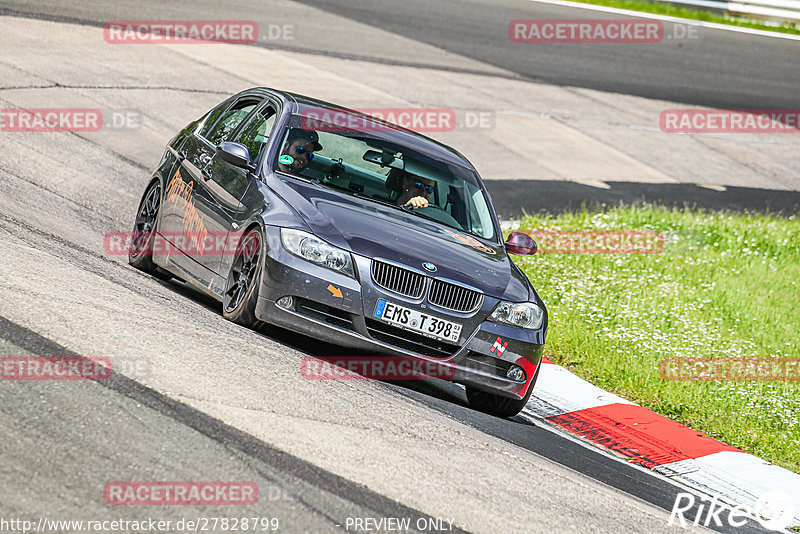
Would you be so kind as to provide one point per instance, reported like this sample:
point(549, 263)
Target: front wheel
point(241, 290)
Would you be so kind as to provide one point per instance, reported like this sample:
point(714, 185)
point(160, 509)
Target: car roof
point(402, 136)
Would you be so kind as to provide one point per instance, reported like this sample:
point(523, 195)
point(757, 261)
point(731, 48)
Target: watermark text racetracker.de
point(148, 524)
point(730, 369)
point(180, 31)
point(369, 367)
point(54, 368)
point(383, 120)
point(140, 493)
point(201, 243)
point(598, 241)
point(597, 31)
point(50, 120)
point(75, 120)
point(730, 121)
point(73, 367)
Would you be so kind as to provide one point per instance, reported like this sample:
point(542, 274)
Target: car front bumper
point(338, 309)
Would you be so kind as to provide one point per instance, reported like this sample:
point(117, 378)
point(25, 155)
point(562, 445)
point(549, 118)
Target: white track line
point(736, 478)
point(683, 485)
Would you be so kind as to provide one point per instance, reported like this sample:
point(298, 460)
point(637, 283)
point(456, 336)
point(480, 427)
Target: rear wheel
point(496, 404)
point(241, 290)
point(140, 254)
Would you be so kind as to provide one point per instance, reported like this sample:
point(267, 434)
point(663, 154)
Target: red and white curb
point(643, 437)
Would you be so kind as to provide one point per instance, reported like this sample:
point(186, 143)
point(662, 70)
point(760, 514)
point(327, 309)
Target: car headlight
point(522, 314)
point(313, 249)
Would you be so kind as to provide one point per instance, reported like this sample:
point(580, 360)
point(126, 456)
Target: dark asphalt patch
point(513, 198)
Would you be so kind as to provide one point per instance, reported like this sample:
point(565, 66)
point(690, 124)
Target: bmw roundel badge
point(429, 266)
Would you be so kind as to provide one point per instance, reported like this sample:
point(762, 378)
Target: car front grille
point(397, 279)
point(454, 297)
point(409, 341)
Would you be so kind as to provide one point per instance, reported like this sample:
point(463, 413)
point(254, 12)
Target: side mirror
point(236, 154)
point(519, 243)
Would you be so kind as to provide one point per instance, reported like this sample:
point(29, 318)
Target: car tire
point(241, 289)
point(140, 254)
point(496, 404)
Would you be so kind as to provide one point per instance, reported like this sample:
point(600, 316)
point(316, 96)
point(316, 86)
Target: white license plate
point(416, 321)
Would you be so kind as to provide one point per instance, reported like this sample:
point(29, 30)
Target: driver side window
point(231, 120)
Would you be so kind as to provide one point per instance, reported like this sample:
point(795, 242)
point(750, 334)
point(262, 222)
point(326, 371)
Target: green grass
point(670, 10)
point(724, 286)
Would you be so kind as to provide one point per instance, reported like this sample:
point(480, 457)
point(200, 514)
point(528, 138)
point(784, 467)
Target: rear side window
point(211, 118)
point(231, 120)
point(256, 133)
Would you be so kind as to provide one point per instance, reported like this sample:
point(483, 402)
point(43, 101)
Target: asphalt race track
point(197, 398)
point(719, 69)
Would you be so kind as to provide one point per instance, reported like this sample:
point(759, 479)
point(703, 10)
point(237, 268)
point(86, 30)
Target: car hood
point(378, 231)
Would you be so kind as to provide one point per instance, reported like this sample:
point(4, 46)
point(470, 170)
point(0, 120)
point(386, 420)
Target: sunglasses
point(424, 187)
point(304, 150)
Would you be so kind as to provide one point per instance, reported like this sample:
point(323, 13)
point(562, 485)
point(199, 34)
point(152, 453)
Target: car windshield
point(362, 163)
